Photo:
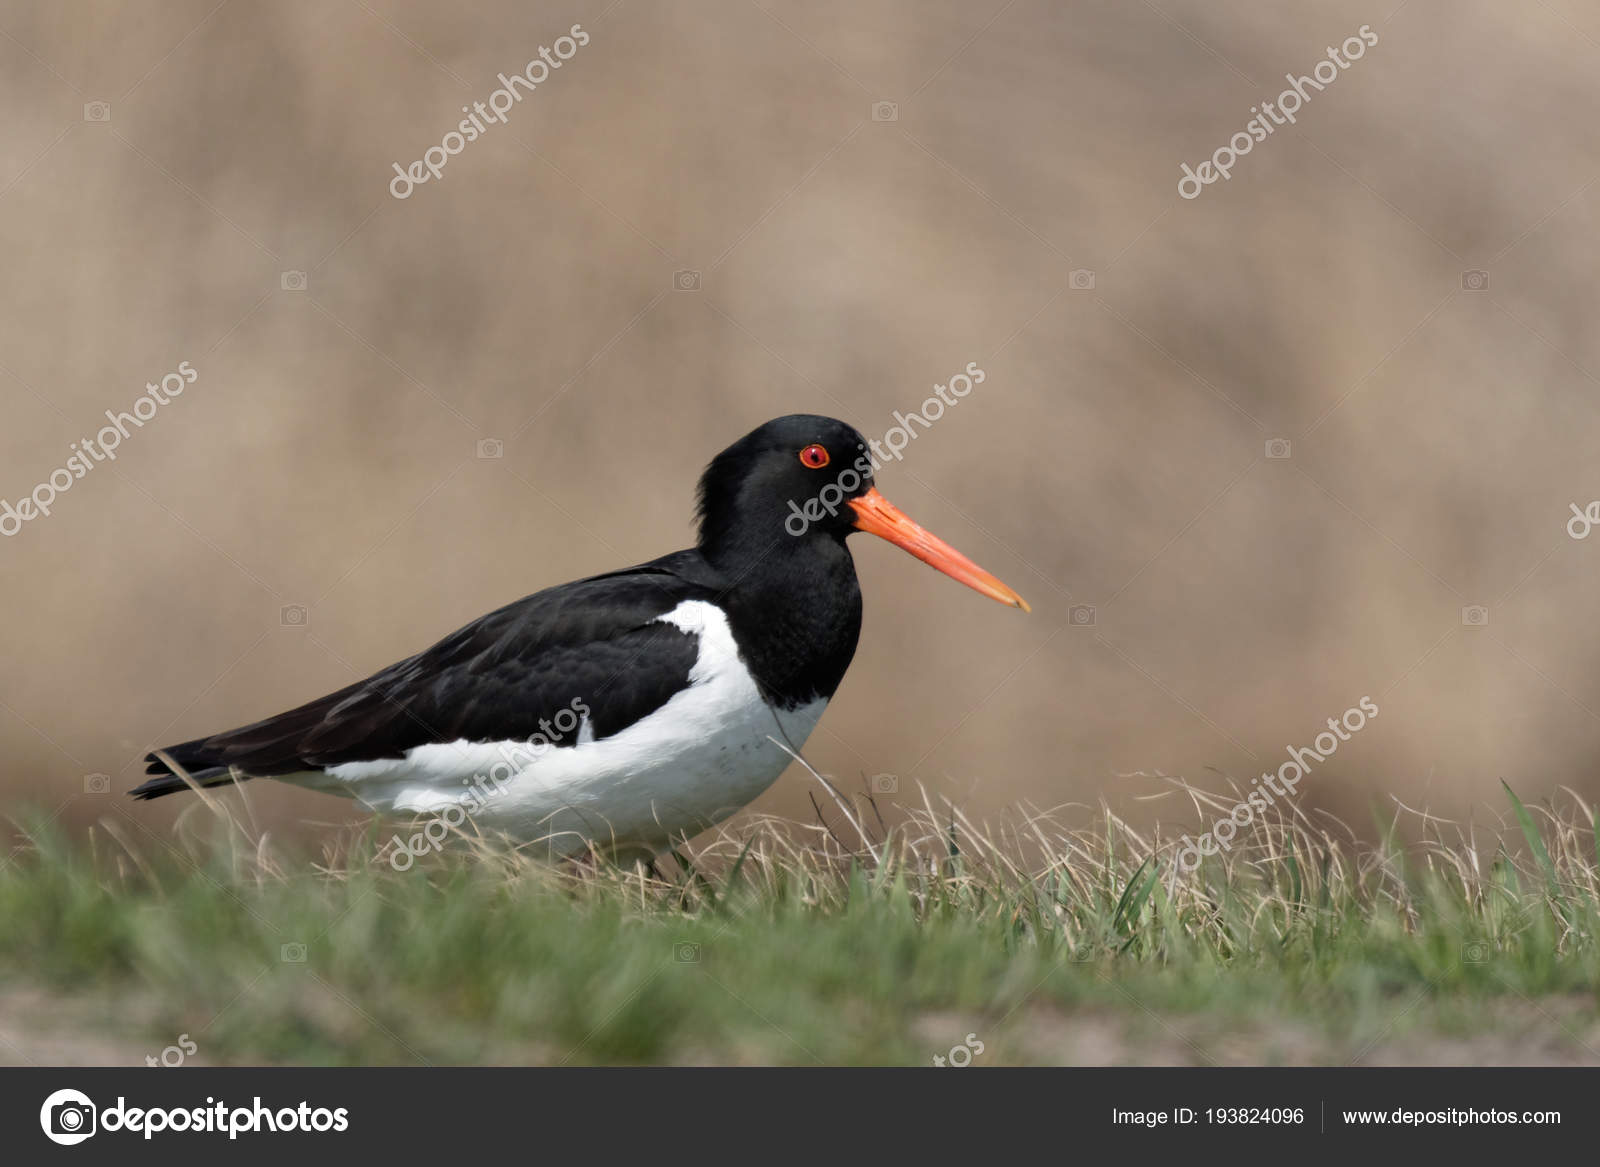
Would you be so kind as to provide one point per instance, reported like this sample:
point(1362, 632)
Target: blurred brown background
point(1116, 455)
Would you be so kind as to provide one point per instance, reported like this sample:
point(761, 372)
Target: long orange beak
point(878, 516)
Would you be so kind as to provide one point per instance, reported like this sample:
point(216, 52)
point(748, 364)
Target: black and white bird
point(626, 710)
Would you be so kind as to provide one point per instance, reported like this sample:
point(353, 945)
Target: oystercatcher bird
point(626, 710)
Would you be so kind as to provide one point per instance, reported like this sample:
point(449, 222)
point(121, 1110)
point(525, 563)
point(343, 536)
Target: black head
point(791, 478)
point(800, 484)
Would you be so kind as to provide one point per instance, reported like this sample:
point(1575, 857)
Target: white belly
point(693, 762)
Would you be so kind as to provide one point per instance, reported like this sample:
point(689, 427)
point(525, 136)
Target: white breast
point(690, 764)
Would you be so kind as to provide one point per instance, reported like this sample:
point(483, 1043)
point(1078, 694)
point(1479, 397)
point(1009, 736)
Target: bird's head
point(805, 477)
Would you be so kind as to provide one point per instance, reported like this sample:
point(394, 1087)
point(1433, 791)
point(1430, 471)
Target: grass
point(859, 943)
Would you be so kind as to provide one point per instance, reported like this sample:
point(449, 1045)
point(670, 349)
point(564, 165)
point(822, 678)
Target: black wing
point(596, 641)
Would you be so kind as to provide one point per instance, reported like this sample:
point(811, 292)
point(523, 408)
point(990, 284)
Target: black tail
point(172, 784)
point(331, 729)
point(201, 764)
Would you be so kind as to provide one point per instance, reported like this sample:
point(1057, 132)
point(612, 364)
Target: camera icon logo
point(293, 616)
point(686, 953)
point(292, 281)
point(1475, 952)
point(686, 281)
point(884, 784)
point(97, 111)
point(1081, 615)
point(1081, 279)
point(68, 1117)
point(1278, 448)
point(1475, 616)
point(885, 111)
point(489, 448)
point(292, 953)
point(1475, 281)
point(97, 783)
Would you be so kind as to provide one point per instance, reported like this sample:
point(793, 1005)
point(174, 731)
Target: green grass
point(791, 944)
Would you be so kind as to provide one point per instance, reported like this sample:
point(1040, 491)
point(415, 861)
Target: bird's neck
point(795, 608)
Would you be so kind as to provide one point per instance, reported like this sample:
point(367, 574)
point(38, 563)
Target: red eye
point(814, 457)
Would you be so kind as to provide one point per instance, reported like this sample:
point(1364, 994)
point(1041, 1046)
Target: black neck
point(795, 609)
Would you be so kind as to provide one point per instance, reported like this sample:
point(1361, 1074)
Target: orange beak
point(878, 516)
